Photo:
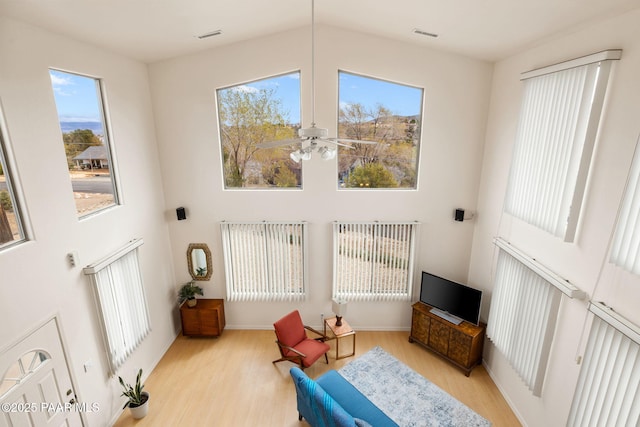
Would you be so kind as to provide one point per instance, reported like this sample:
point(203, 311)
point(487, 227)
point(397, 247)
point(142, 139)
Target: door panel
point(35, 382)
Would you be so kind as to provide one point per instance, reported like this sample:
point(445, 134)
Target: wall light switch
point(73, 258)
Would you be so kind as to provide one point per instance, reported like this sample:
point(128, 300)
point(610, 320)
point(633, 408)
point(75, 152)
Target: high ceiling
point(151, 30)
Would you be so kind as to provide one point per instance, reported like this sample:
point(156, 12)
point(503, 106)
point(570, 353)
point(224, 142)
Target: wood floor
point(230, 381)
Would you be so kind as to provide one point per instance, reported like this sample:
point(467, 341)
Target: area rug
point(405, 396)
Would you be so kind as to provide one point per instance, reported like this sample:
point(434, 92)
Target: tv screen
point(451, 297)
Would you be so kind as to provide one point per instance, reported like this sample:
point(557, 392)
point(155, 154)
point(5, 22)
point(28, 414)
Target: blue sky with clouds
point(400, 99)
point(77, 98)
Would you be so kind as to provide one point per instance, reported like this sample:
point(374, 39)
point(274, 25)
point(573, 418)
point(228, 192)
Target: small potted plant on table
point(188, 293)
point(138, 402)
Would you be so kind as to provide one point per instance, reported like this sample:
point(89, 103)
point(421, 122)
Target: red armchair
point(293, 343)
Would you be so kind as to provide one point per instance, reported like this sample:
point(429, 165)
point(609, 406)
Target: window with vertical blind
point(522, 319)
point(121, 301)
point(625, 250)
point(524, 308)
point(608, 389)
point(373, 261)
point(559, 120)
point(265, 261)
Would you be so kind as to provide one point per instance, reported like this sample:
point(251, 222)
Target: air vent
point(211, 34)
point(424, 33)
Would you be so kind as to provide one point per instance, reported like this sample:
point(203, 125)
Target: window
point(11, 225)
point(559, 120)
point(384, 112)
point(121, 300)
point(625, 250)
point(254, 113)
point(524, 308)
point(608, 389)
point(86, 142)
point(265, 261)
point(373, 261)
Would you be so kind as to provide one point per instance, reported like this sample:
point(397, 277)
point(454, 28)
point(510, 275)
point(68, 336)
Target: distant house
point(94, 157)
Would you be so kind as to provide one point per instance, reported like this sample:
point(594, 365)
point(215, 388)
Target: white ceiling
point(151, 30)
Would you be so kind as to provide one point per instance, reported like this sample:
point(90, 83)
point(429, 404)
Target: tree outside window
point(254, 113)
point(384, 112)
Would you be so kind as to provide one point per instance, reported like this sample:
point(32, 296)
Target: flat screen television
point(452, 301)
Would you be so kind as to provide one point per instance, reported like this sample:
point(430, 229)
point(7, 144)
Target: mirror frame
point(207, 254)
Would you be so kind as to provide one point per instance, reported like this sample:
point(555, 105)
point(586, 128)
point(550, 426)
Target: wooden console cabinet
point(459, 344)
point(205, 319)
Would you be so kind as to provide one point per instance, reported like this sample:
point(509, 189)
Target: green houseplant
point(188, 293)
point(138, 402)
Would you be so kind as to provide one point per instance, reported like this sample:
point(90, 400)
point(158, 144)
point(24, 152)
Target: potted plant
point(188, 293)
point(138, 402)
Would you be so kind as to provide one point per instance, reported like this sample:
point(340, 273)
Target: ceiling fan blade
point(272, 144)
point(353, 141)
point(334, 141)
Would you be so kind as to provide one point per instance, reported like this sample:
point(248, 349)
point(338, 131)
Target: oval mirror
point(199, 260)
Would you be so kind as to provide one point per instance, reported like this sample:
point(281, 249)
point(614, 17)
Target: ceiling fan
point(314, 134)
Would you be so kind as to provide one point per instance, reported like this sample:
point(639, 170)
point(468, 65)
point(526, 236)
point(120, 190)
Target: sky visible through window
point(85, 140)
point(77, 102)
point(400, 99)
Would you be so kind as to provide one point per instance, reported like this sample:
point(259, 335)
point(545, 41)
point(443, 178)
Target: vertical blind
point(373, 261)
point(121, 301)
point(265, 261)
point(524, 308)
point(558, 124)
point(625, 251)
point(608, 389)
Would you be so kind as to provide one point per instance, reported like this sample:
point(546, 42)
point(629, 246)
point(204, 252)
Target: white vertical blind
point(265, 261)
point(524, 308)
point(608, 389)
point(625, 251)
point(121, 301)
point(373, 261)
point(559, 120)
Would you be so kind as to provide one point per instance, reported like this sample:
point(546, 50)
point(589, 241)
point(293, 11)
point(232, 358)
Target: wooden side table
point(205, 319)
point(337, 332)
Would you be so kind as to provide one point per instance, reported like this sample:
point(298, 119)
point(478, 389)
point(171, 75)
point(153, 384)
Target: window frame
point(357, 291)
point(578, 165)
point(14, 189)
point(108, 142)
point(419, 127)
point(295, 127)
point(121, 301)
point(265, 272)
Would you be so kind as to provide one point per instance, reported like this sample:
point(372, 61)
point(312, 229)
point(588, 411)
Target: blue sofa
point(331, 401)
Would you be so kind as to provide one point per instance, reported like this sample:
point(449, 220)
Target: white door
point(35, 384)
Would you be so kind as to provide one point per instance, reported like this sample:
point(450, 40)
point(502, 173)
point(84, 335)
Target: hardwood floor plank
point(230, 381)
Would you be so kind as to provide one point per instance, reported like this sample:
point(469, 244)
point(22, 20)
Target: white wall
point(36, 281)
point(580, 262)
point(456, 102)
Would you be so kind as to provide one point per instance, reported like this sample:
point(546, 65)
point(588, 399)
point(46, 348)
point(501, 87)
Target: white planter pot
point(141, 411)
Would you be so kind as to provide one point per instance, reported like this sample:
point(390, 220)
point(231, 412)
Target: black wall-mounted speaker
point(181, 213)
point(459, 216)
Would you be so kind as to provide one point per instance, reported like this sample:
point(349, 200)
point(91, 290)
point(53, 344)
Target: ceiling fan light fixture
point(327, 153)
point(313, 132)
point(296, 156)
